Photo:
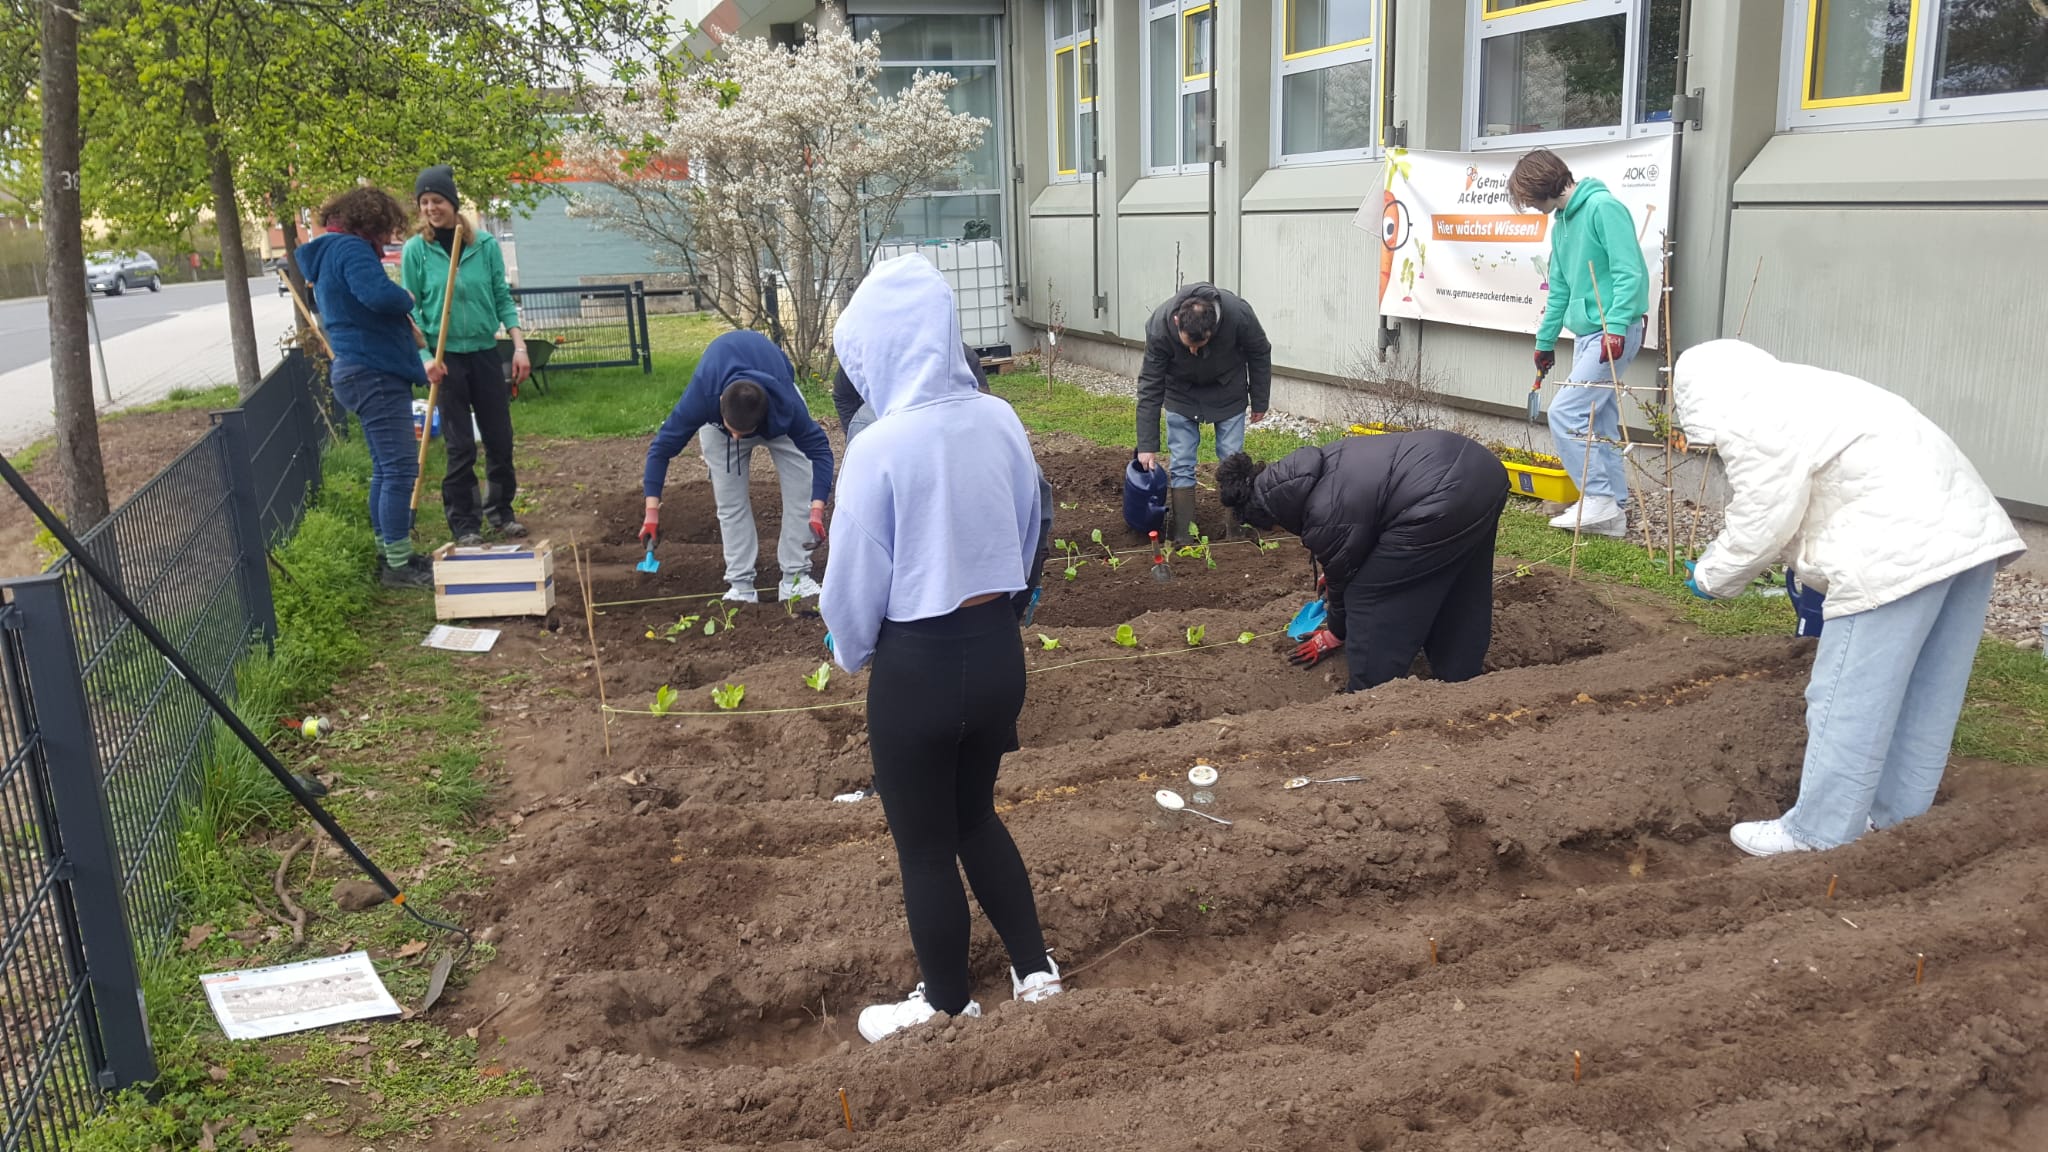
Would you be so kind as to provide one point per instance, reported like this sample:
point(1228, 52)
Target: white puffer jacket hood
point(1848, 483)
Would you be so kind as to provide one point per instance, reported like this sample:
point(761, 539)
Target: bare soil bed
point(1532, 874)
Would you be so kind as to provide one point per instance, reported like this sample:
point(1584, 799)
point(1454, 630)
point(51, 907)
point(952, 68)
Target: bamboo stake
point(1757, 275)
point(305, 313)
point(596, 661)
point(1670, 425)
point(1577, 1068)
point(1831, 886)
point(1919, 966)
point(845, 1110)
point(419, 481)
point(1432, 951)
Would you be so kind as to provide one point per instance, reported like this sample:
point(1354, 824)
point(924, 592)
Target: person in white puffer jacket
point(1876, 507)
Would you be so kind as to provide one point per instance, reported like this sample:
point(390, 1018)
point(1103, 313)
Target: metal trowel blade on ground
point(1535, 398)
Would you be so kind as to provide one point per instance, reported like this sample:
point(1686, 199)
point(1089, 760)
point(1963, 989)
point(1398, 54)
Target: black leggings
point(943, 698)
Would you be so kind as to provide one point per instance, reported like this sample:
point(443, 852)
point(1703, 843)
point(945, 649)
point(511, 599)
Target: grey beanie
point(440, 180)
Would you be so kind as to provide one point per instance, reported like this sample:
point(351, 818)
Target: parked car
point(115, 272)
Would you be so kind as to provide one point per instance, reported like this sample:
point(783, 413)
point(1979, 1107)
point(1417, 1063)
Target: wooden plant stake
point(845, 1111)
point(1432, 951)
point(1577, 1068)
point(596, 662)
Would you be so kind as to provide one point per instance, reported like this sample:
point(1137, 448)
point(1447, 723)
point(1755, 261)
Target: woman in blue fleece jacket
point(368, 319)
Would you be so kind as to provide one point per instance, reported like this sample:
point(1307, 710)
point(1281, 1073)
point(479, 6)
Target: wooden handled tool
point(440, 361)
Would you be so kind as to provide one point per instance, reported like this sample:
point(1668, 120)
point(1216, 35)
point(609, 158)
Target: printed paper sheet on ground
point(1453, 249)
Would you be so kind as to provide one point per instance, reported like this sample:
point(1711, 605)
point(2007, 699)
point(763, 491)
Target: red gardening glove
point(1612, 346)
point(1546, 359)
point(1319, 644)
point(818, 525)
point(651, 527)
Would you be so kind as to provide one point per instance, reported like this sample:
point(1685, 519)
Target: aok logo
point(1641, 174)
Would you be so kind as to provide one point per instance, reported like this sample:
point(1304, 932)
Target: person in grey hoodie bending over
point(936, 524)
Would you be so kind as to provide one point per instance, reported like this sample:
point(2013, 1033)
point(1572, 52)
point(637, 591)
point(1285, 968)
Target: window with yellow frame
point(1325, 84)
point(1177, 55)
point(1915, 61)
point(1071, 64)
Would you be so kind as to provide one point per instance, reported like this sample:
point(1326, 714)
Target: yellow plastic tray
point(1542, 483)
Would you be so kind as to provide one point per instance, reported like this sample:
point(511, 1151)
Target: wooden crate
point(493, 580)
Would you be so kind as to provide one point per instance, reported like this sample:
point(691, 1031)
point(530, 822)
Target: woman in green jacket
point(472, 377)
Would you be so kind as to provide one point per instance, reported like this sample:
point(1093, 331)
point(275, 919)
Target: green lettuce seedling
point(664, 699)
point(1195, 634)
point(728, 696)
point(1046, 642)
point(816, 681)
point(1246, 637)
point(1126, 636)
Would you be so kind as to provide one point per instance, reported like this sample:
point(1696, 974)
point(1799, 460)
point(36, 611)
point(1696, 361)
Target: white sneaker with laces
point(1766, 838)
point(739, 595)
point(801, 588)
point(1037, 986)
point(1566, 518)
point(882, 1020)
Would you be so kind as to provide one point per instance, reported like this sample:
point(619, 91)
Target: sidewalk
point(188, 350)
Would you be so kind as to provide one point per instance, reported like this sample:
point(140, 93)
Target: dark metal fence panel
point(103, 746)
point(590, 326)
point(47, 1072)
point(287, 419)
point(176, 549)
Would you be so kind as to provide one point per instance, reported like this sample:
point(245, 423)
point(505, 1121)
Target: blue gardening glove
point(829, 650)
point(1692, 585)
point(1031, 607)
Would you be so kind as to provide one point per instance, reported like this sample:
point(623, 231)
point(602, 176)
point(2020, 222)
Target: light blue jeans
point(1184, 440)
point(1588, 395)
point(1881, 708)
point(861, 419)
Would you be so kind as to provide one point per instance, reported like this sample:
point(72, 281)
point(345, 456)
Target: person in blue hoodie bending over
point(368, 319)
point(937, 524)
point(743, 396)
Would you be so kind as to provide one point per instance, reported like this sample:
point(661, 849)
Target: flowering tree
point(769, 169)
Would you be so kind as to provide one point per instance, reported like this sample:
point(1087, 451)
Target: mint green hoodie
point(1592, 226)
point(483, 297)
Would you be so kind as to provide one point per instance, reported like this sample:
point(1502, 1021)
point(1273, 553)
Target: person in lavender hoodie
point(935, 528)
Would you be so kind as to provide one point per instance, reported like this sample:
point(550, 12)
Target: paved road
point(25, 324)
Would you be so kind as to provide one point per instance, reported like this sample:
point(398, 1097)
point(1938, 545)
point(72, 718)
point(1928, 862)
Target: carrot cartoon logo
point(1471, 177)
point(1395, 227)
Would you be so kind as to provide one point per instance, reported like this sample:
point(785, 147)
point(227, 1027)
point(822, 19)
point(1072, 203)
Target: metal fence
point(588, 326)
point(103, 745)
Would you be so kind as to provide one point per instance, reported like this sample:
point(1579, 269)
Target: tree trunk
point(234, 256)
point(78, 428)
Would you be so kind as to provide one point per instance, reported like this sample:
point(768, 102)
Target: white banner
point(1455, 251)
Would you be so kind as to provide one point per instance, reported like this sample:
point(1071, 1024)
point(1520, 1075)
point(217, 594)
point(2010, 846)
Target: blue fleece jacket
point(940, 499)
point(743, 355)
point(367, 316)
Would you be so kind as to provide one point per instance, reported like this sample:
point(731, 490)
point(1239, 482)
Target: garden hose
point(221, 708)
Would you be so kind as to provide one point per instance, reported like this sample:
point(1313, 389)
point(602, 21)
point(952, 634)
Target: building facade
point(1862, 184)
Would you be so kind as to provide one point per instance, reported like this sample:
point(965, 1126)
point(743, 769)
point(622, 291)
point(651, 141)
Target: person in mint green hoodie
point(1596, 265)
point(472, 376)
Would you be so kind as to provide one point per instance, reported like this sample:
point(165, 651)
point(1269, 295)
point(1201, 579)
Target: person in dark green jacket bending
point(472, 377)
point(1596, 268)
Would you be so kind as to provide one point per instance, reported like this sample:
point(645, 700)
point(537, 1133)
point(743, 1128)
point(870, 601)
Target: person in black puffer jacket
point(1403, 525)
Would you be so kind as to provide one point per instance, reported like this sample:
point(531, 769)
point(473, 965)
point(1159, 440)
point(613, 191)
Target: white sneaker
point(1616, 528)
point(739, 595)
point(1766, 838)
point(1037, 986)
point(1567, 518)
point(882, 1020)
point(801, 588)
